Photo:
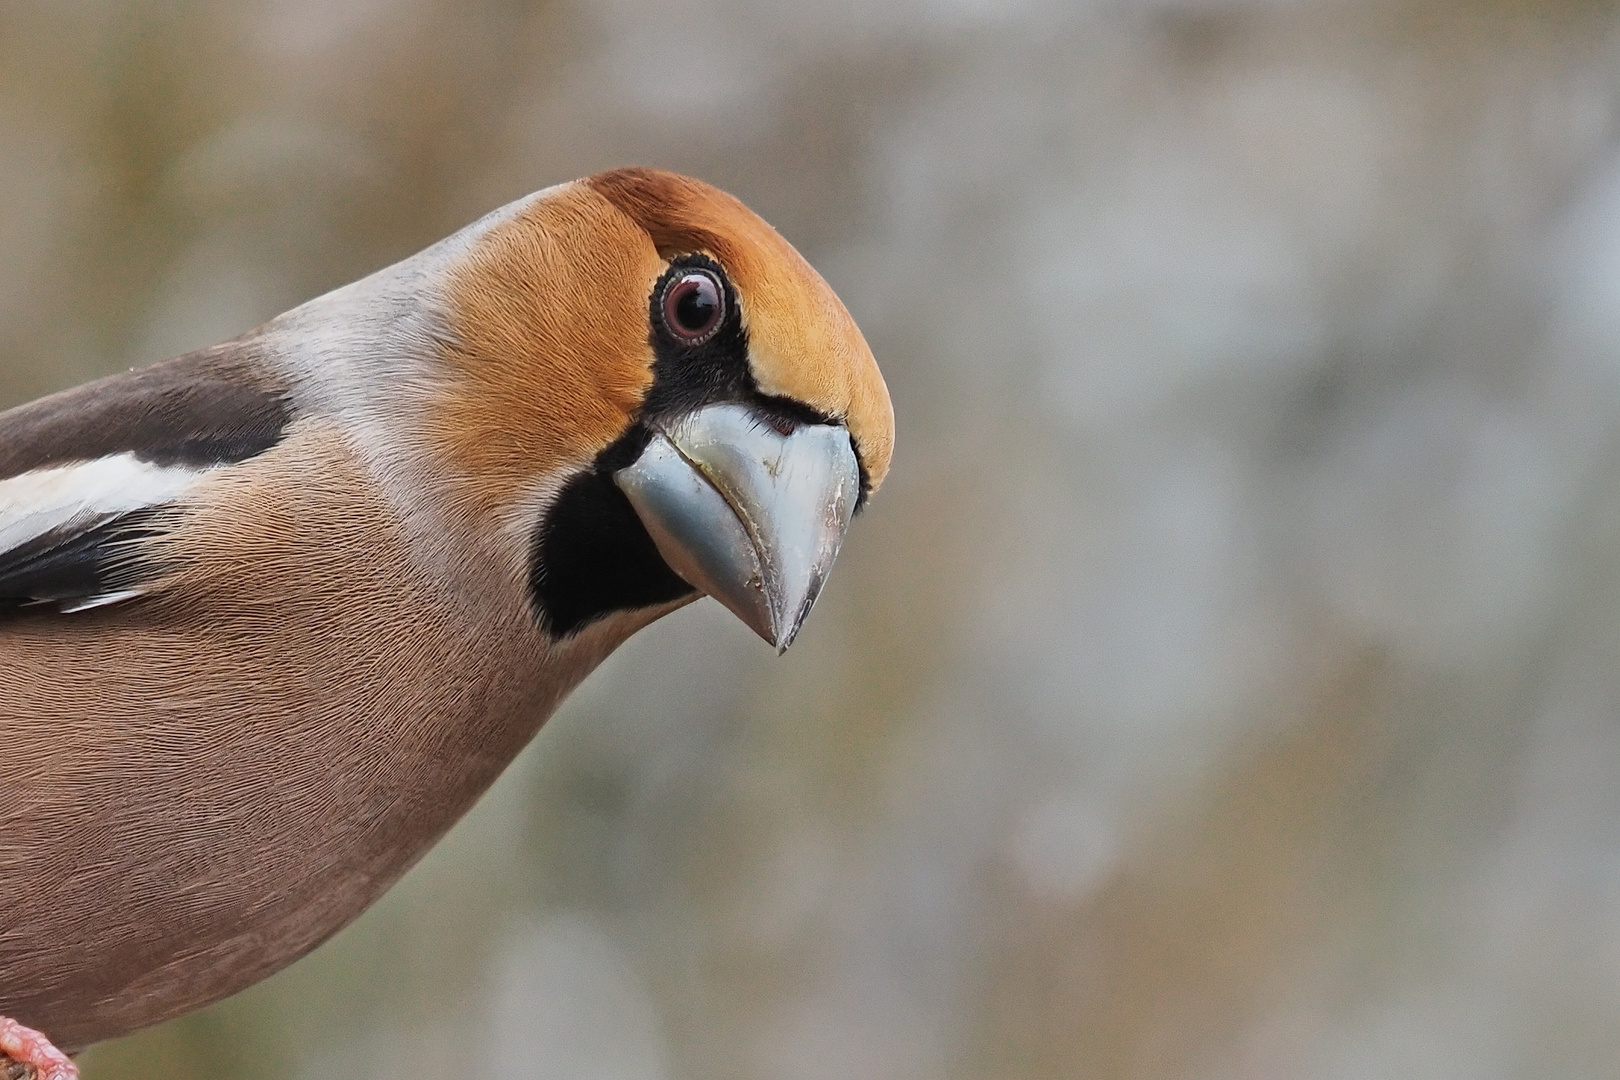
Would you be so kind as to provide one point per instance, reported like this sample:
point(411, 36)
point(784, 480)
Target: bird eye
point(693, 304)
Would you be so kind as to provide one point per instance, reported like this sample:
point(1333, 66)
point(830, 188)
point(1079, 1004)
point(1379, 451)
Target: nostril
point(782, 425)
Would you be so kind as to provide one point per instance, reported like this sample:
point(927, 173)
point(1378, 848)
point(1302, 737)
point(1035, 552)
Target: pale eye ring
point(694, 306)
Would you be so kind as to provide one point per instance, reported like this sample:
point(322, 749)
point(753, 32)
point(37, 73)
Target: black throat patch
point(592, 556)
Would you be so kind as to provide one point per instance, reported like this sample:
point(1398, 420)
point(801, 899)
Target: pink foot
point(29, 1047)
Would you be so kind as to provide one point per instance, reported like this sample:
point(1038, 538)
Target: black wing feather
point(74, 564)
point(211, 408)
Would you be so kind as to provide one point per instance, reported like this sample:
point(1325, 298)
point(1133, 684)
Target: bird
point(275, 613)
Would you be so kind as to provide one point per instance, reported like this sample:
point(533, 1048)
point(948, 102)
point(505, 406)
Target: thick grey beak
point(750, 516)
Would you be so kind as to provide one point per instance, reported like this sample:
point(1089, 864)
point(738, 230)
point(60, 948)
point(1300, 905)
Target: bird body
point(274, 614)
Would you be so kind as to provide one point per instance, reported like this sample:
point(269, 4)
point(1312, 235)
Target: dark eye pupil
point(692, 305)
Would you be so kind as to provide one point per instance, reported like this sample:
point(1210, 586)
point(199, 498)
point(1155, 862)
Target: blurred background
point(1226, 683)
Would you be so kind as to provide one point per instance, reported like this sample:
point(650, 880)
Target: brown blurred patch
point(1166, 962)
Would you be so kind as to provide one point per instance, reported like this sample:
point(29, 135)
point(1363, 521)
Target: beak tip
point(780, 639)
point(785, 628)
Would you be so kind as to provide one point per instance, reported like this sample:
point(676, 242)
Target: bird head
point(698, 406)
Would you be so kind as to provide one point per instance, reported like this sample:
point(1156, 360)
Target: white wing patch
point(37, 502)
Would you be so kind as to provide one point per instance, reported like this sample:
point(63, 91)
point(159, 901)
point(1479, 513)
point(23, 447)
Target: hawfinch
point(275, 613)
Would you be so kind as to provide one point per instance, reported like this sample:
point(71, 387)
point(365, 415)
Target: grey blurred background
point(1226, 684)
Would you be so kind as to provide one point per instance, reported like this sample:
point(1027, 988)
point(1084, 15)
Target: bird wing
point(89, 476)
